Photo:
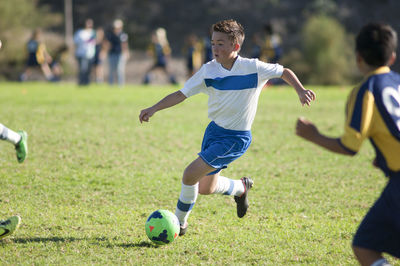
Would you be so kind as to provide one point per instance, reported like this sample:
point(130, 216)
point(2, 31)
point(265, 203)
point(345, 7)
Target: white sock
point(9, 135)
point(186, 201)
point(229, 186)
point(381, 262)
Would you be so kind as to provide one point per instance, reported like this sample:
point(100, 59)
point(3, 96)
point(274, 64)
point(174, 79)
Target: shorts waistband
point(229, 131)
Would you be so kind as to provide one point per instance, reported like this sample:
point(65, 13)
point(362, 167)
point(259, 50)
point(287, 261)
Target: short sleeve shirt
point(116, 40)
point(233, 94)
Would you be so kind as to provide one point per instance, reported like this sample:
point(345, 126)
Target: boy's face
point(223, 49)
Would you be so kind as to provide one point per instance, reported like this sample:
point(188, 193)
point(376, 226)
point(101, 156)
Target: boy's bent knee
point(205, 190)
point(195, 171)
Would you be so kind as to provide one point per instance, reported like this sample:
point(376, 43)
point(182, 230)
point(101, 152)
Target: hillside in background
point(181, 18)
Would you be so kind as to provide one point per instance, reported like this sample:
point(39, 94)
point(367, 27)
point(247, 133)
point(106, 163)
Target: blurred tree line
point(317, 35)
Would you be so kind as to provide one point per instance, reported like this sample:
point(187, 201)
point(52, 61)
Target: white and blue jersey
point(233, 94)
point(232, 105)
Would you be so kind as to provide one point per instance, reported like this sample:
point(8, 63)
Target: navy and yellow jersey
point(373, 111)
point(36, 53)
point(194, 56)
point(159, 53)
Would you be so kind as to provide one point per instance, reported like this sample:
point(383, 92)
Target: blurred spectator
point(37, 57)
point(118, 52)
point(256, 46)
point(208, 55)
point(161, 52)
point(271, 51)
point(85, 44)
point(56, 63)
point(99, 56)
point(193, 54)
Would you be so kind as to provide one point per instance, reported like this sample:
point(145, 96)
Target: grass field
point(94, 174)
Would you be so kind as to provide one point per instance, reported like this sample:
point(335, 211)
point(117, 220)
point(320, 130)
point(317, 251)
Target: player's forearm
point(290, 78)
point(331, 144)
point(170, 100)
point(125, 47)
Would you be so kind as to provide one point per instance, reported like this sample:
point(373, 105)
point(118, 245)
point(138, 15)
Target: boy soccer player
point(233, 85)
point(20, 140)
point(373, 111)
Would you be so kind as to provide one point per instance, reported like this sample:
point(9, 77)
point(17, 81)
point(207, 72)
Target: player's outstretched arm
point(305, 96)
point(307, 130)
point(168, 101)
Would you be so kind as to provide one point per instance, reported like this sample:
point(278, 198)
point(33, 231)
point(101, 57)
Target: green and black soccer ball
point(162, 227)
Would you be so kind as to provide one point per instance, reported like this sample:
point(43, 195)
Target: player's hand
point(306, 96)
point(306, 129)
point(145, 114)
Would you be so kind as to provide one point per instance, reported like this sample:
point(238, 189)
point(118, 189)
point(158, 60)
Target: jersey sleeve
point(40, 53)
point(268, 71)
point(166, 49)
point(77, 37)
point(359, 114)
point(195, 84)
point(124, 37)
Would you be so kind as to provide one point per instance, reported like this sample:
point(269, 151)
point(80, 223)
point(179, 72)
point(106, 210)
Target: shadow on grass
point(142, 244)
point(96, 240)
point(54, 239)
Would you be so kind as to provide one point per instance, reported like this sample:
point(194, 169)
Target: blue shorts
point(380, 229)
point(222, 146)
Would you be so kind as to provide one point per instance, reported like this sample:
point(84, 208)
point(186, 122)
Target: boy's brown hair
point(231, 27)
point(375, 43)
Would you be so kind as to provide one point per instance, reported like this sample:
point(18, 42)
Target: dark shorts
point(380, 228)
point(222, 146)
point(32, 61)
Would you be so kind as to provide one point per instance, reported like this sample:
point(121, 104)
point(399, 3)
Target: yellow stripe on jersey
point(358, 123)
point(40, 54)
point(385, 143)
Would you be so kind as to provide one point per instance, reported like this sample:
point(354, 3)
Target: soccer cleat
point(242, 204)
point(22, 147)
point(182, 230)
point(8, 226)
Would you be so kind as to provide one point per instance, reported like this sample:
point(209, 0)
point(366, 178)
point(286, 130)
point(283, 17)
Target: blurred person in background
point(99, 56)
point(37, 57)
point(193, 54)
point(271, 50)
point(256, 46)
point(118, 52)
point(56, 63)
point(161, 52)
point(207, 47)
point(85, 44)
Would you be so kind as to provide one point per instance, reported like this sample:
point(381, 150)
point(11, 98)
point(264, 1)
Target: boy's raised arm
point(168, 101)
point(305, 96)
